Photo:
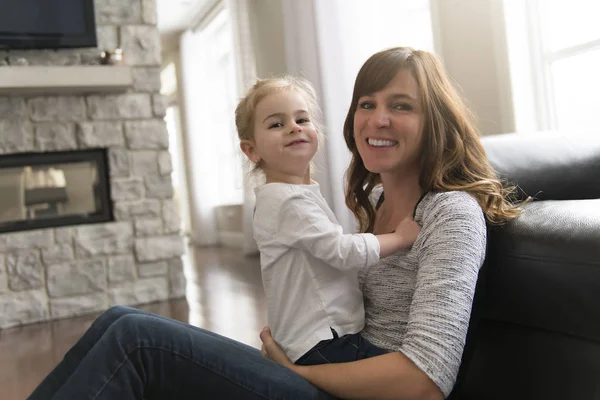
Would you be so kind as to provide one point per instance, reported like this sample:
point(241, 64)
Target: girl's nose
point(295, 128)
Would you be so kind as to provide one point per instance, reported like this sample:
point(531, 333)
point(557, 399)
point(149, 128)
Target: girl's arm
point(304, 225)
point(401, 239)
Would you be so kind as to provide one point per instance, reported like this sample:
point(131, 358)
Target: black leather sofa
point(535, 326)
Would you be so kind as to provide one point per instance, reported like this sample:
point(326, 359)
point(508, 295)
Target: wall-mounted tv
point(47, 24)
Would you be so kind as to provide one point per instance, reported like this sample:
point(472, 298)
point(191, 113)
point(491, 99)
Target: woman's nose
point(380, 118)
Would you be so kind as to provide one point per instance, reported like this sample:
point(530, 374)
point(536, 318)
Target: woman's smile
point(381, 144)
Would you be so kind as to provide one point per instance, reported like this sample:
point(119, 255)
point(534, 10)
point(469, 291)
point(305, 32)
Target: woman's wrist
point(301, 370)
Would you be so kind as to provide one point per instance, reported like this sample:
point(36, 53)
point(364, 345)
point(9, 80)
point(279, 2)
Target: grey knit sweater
point(419, 301)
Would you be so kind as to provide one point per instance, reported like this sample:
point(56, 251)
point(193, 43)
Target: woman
point(415, 153)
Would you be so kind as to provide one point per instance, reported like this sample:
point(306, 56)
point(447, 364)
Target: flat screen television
point(47, 24)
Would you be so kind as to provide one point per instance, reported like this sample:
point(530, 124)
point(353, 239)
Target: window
point(221, 84)
point(210, 80)
point(554, 70)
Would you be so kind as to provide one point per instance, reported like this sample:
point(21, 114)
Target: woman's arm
point(450, 253)
point(389, 376)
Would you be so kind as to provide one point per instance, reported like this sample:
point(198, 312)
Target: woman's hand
point(271, 349)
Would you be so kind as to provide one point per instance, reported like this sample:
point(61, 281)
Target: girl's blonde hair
point(246, 108)
point(451, 155)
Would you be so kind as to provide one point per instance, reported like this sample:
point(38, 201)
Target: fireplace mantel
point(65, 79)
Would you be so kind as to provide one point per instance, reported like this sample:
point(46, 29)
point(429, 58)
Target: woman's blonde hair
point(451, 155)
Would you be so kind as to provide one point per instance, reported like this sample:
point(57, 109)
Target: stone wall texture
point(68, 271)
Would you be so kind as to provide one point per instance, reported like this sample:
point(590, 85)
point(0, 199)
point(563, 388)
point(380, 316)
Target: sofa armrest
point(543, 269)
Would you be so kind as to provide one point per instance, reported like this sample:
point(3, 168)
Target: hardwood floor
point(225, 295)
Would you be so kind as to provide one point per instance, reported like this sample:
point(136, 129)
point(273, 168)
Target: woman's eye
point(275, 125)
point(402, 107)
point(365, 105)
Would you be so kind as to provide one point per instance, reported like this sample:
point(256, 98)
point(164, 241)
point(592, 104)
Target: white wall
point(470, 38)
point(266, 25)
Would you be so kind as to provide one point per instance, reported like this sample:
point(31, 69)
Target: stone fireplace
point(134, 256)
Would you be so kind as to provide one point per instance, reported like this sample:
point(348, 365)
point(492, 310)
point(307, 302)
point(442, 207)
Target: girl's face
point(285, 139)
point(388, 126)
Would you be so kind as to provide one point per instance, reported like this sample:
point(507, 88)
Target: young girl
point(309, 266)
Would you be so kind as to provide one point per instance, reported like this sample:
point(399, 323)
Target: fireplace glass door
point(40, 190)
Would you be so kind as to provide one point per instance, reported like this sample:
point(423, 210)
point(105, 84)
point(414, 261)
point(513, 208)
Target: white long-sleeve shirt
point(309, 266)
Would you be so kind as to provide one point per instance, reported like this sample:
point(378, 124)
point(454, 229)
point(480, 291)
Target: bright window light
point(554, 51)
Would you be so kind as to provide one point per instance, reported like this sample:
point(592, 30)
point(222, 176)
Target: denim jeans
point(131, 354)
point(347, 348)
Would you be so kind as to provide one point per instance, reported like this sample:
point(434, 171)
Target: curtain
point(202, 182)
point(246, 75)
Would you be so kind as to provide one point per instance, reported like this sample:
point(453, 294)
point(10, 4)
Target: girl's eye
point(275, 125)
point(302, 120)
point(365, 105)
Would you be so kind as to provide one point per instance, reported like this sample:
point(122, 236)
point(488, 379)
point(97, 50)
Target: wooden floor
point(225, 295)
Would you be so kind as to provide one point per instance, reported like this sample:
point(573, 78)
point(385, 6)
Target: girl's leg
point(70, 362)
point(143, 356)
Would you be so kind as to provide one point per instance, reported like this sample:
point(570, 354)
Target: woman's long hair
point(451, 156)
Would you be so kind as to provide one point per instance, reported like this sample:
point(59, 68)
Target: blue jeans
point(131, 354)
point(347, 348)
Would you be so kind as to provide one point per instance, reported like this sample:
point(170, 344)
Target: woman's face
point(388, 126)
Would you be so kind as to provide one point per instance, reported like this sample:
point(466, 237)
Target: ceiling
point(177, 15)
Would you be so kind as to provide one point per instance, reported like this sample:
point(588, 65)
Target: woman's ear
point(249, 149)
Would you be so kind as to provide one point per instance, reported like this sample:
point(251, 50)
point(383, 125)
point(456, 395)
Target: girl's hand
point(407, 230)
point(271, 349)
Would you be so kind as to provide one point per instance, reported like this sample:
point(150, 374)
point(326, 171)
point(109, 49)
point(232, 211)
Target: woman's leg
point(70, 362)
point(143, 356)
point(347, 348)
